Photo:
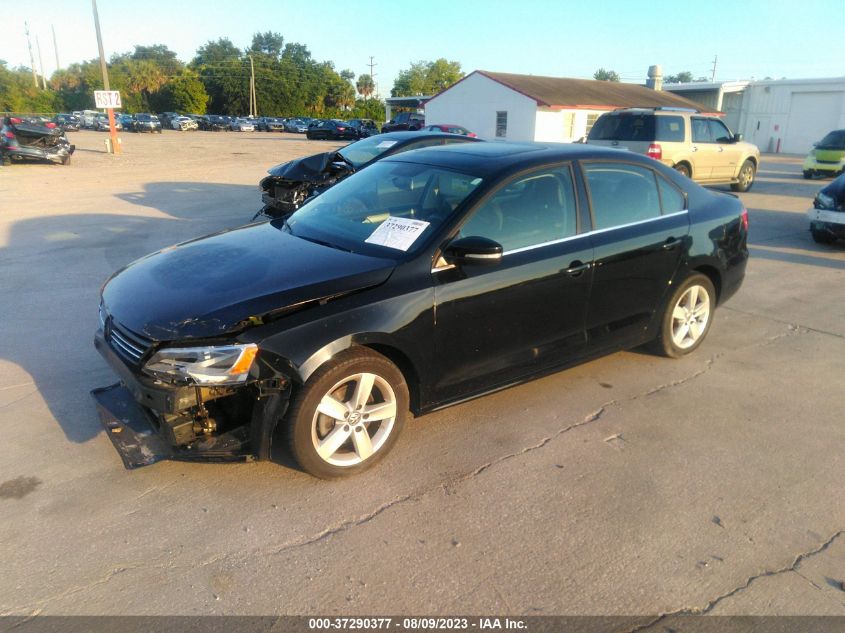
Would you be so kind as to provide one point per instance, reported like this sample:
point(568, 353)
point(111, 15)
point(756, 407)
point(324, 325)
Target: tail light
point(15, 119)
point(50, 125)
point(341, 129)
point(655, 151)
point(743, 217)
point(9, 135)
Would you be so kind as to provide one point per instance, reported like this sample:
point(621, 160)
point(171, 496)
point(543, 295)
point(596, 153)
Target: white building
point(784, 115)
point(504, 106)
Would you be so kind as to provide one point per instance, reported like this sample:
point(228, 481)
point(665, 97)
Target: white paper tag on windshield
point(398, 233)
point(386, 144)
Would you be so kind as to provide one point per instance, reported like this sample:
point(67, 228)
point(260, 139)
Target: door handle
point(721, 149)
point(577, 267)
point(693, 148)
point(670, 243)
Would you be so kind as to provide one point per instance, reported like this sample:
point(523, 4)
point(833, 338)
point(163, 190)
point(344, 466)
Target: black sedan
point(290, 184)
point(428, 278)
point(145, 122)
point(827, 216)
point(332, 129)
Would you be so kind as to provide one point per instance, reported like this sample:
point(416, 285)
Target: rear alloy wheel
point(687, 318)
point(348, 415)
point(683, 169)
point(745, 178)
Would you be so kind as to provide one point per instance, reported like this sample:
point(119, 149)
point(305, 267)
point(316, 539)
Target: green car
point(827, 158)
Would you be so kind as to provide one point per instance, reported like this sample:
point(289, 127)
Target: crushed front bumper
point(59, 154)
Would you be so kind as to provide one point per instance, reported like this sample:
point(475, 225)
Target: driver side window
point(529, 211)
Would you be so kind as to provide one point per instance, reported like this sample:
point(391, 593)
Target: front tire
point(820, 236)
point(348, 415)
point(745, 178)
point(687, 317)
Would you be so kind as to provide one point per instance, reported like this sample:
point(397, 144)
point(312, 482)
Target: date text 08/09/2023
point(416, 623)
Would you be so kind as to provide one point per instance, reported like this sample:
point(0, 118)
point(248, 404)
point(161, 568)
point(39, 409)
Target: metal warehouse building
point(785, 115)
point(514, 107)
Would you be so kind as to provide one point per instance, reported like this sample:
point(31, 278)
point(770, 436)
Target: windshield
point(365, 150)
point(386, 210)
point(833, 140)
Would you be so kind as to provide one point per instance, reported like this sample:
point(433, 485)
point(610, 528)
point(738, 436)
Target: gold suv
point(700, 147)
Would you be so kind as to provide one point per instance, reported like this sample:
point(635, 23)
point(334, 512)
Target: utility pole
point(253, 104)
point(31, 58)
point(715, 60)
point(55, 47)
point(115, 147)
point(372, 74)
point(40, 63)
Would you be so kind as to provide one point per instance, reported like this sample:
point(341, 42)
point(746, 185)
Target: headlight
point(217, 365)
point(824, 201)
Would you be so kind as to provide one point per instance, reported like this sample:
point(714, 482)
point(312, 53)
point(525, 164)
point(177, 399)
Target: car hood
point(309, 169)
point(836, 189)
point(213, 285)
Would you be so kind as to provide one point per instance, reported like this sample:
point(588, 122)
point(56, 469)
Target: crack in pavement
point(711, 604)
point(791, 324)
point(447, 487)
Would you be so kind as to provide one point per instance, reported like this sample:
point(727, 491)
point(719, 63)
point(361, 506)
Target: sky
point(752, 39)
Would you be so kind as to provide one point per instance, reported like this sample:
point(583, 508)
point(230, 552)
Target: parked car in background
point(404, 121)
point(451, 129)
point(23, 139)
point(698, 146)
point(271, 124)
point(214, 123)
point(827, 158)
point(297, 126)
point(827, 216)
point(127, 121)
point(421, 281)
point(241, 125)
point(290, 184)
point(68, 122)
point(183, 123)
point(145, 122)
point(364, 128)
point(332, 129)
point(166, 119)
point(86, 118)
point(101, 122)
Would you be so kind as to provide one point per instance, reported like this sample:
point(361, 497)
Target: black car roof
point(487, 159)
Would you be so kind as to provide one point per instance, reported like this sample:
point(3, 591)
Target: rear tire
point(687, 317)
point(745, 178)
point(808, 174)
point(683, 169)
point(348, 415)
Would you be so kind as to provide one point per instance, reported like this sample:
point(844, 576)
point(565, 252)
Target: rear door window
point(621, 194)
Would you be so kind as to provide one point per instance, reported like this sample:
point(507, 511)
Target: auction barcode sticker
point(398, 233)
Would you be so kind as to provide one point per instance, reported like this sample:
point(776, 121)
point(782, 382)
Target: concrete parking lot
point(629, 485)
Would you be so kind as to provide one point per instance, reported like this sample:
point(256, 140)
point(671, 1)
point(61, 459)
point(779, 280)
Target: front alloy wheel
point(687, 317)
point(348, 415)
point(745, 178)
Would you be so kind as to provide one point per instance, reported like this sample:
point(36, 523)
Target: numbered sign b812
point(107, 99)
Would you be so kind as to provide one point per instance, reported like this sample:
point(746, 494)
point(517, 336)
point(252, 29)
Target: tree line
point(288, 82)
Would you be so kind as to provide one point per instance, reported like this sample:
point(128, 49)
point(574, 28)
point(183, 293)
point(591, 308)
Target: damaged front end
point(290, 185)
point(21, 139)
point(209, 403)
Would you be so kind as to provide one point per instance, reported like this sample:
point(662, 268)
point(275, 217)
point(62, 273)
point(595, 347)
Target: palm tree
point(366, 86)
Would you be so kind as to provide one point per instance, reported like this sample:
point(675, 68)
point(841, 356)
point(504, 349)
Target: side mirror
point(473, 250)
point(737, 138)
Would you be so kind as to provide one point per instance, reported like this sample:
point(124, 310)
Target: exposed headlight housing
point(213, 365)
point(824, 201)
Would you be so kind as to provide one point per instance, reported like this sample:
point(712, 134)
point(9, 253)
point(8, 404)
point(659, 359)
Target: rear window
point(833, 140)
point(638, 127)
point(623, 127)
